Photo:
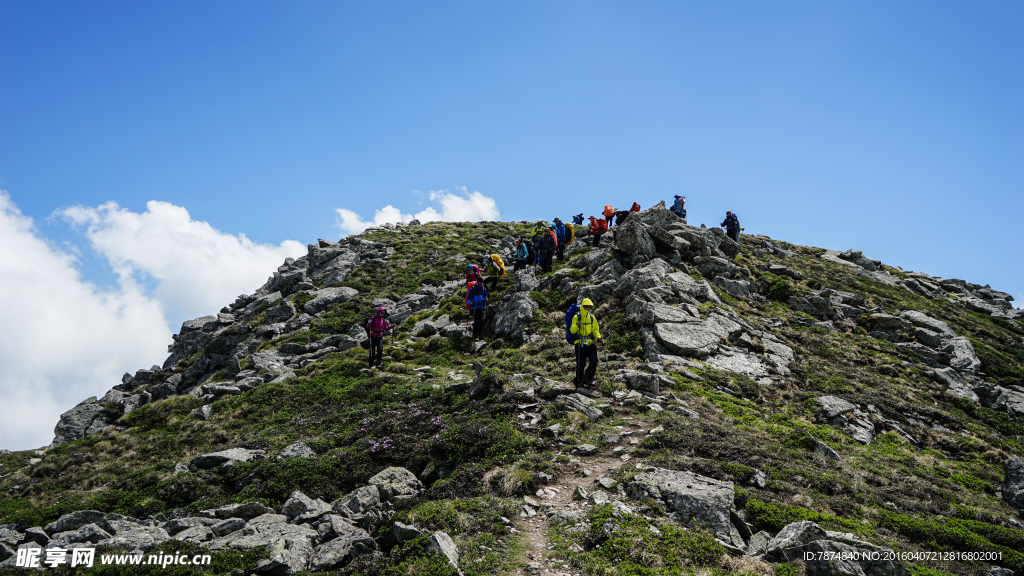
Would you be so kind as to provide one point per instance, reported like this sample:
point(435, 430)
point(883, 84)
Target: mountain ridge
point(787, 372)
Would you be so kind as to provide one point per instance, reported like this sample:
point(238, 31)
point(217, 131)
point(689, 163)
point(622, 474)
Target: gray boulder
point(76, 520)
point(269, 360)
point(830, 558)
point(740, 288)
point(831, 553)
point(225, 458)
point(290, 547)
point(955, 383)
point(651, 313)
point(732, 359)
point(923, 320)
point(826, 451)
point(775, 249)
point(77, 422)
point(696, 339)
point(758, 543)
point(359, 501)
point(650, 275)
point(297, 449)
point(89, 533)
point(263, 302)
point(592, 260)
point(578, 403)
point(632, 239)
point(525, 280)
point(717, 266)
point(283, 311)
point(228, 526)
point(690, 499)
point(396, 484)
point(963, 356)
point(179, 525)
point(194, 534)
point(327, 297)
point(644, 382)
point(441, 543)
point(513, 316)
point(247, 511)
point(610, 270)
point(34, 534)
point(1012, 488)
point(136, 537)
point(349, 542)
point(832, 407)
point(783, 271)
point(792, 535)
point(405, 532)
point(300, 507)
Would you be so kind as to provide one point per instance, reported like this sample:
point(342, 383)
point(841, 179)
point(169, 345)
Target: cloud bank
point(197, 268)
point(463, 206)
point(64, 339)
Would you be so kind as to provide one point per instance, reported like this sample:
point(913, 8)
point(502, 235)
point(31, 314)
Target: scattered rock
point(441, 543)
point(584, 450)
point(396, 484)
point(822, 449)
point(1012, 488)
point(225, 457)
point(227, 526)
point(299, 505)
point(690, 499)
point(296, 450)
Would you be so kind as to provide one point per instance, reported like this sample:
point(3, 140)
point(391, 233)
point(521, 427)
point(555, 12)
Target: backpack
point(554, 237)
point(608, 210)
point(602, 225)
point(477, 296)
point(499, 263)
point(571, 234)
point(572, 311)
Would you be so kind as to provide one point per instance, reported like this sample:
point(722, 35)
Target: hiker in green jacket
point(584, 325)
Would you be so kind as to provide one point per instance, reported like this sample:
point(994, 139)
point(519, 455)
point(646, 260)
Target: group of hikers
point(546, 242)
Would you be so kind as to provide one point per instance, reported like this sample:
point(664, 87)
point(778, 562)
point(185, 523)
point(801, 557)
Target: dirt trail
point(585, 472)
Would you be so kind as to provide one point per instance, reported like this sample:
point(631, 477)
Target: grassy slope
point(939, 495)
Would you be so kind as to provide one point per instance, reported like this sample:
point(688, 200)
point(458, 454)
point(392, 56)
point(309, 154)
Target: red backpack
point(602, 225)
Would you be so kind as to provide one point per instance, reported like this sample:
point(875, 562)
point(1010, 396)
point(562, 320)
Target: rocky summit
point(758, 408)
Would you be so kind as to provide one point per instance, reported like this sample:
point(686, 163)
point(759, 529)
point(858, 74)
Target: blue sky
point(895, 128)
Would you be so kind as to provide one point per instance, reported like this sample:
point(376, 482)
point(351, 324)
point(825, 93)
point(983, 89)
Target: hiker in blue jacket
point(522, 255)
point(477, 300)
point(679, 207)
point(732, 225)
point(560, 233)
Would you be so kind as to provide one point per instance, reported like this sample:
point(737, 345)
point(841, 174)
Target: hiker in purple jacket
point(376, 327)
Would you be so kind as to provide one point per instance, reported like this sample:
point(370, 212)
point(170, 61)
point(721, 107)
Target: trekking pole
point(579, 378)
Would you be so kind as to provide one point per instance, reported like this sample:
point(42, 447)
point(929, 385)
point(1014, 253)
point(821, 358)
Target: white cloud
point(463, 206)
point(63, 339)
point(198, 269)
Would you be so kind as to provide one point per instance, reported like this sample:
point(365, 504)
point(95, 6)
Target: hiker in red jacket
point(597, 228)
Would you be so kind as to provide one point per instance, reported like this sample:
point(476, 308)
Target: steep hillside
point(758, 406)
